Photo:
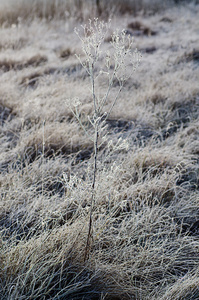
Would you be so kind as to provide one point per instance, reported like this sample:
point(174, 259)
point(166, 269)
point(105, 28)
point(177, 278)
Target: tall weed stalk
point(111, 64)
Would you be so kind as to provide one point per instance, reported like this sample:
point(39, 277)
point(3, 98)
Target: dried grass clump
point(185, 288)
point(57, 138)
point(138, 241)
point(52, 257)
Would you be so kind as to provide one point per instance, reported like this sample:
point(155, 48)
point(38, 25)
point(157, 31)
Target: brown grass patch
point(157, 98)
point(33, 78)
point(138, 28)
point(65, 53)
point(34, 61)
point(166, 19)
point(149, 50)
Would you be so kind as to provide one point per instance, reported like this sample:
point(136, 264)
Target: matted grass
point(146, 216)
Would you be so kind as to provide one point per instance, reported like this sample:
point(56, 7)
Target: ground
point(144, 242)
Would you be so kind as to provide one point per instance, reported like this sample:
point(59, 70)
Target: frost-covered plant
point(112, 65)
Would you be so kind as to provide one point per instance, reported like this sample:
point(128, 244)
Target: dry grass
point(12, 13)
point(146, 216)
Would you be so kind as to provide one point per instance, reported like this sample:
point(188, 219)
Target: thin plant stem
point(93, 191)
point(95, 143)
point(42, 179)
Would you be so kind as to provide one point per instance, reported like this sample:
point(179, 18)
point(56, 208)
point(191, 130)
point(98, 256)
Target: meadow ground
point(145, 234)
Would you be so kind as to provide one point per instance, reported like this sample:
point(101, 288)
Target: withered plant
point(113, 65)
